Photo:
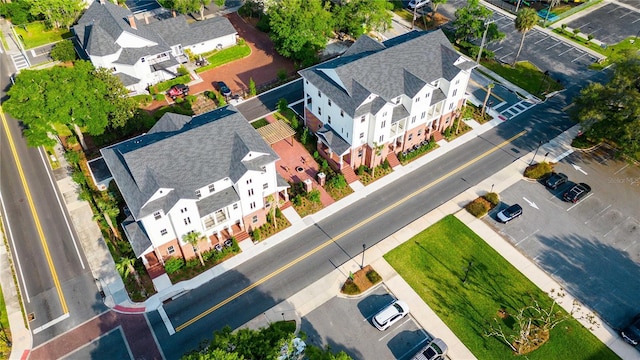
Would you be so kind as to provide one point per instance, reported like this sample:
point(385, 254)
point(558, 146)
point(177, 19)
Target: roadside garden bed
point(178, 269)
point(368, 175)
point(268, 229)
point(361, 281)
point(492, 292)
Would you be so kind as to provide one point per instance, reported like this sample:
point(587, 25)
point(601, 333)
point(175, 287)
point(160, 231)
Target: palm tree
point(194, 238)
point(125, 267)
point(486, 98)
point(377, 151)
point(526, 19)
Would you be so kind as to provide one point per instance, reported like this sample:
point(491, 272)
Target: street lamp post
point(364, 247)
point(484, 37)
point(535, 153)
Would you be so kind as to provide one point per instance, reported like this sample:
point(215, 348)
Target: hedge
point(166, 85)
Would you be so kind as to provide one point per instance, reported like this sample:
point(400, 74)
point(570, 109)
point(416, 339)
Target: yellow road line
point(36, 219)
point(345, 233)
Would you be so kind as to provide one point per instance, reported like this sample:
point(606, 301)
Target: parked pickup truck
point(178, 90)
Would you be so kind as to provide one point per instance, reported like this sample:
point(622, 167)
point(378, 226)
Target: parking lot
point(345, 324)
point(563, 61)
point(610, 24)
point(592, 247)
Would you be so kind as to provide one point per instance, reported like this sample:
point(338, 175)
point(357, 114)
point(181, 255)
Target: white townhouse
point(392, 95)
point(143, 52)
point(211, 173)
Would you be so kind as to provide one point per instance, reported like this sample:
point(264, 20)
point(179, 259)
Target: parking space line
point(397, 327)
point(554, 45)
point(541, 40)
point(598, 214)
point(578, 58)
point(526, 237)
point(624, 167)
point(580, 202)
point(630, 245)
point(566, 51)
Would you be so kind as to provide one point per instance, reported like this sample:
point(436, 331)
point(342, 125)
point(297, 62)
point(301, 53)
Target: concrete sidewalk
point(317, 294)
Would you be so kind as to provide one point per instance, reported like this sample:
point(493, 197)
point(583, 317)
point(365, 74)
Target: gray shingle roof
point(217, 201)
point(402, 65)
point(137, 236)
point(184, 153)
point(333, 139)
point(178, 31)
point(399, 113)
point(127, 79)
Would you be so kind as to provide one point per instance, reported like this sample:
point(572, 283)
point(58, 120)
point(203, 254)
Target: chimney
point(146, 19)
point(132, 22)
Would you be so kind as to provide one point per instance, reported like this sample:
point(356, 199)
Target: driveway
point(593, 247)
point(262, 65)
point(345, 325)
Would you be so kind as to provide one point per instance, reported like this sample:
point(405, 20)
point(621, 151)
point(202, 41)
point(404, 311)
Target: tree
point(17, 11)
point(377, 151)
point(434, 7)
point(63, 51)
point(470, 21)
point(486, 98)
point(58, 13)
point(533, 323)
point(612, 110)
point(193, 238)
point(526, 19)
point(125, 266)
point(299, 28)
point(78, 97)
point(356, 17)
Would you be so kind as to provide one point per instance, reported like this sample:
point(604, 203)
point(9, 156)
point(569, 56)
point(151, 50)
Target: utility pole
point(484, 37)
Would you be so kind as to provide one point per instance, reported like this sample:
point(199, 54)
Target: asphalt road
point(265, 103)
point(56, 283)
point(247, 291)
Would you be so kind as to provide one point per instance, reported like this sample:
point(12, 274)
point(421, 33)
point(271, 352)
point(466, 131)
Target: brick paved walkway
point(137, 335)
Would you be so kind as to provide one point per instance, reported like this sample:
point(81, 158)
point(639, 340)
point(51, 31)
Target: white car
point(390, 315)
point(435, 350)
point(416, 4)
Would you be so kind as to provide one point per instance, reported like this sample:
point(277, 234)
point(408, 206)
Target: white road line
point(578, 58)
point(635, 21)
point(566, 51)
point(598, 214)
point(50, 323)
point(397, 327)
point(62, 210)
point(580, 202)
point(541, 40)
point(630, 245)
point(624, 167)
point(498, 48)
point(13, 243)
point(526, 237)
point(81, 348)
point(166, 321)
point(554, 45)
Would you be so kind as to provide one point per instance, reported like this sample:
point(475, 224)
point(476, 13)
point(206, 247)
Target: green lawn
point(36, 34)
point(526, 76)
point(5, 350)
point(433, 263)
point(218, 58)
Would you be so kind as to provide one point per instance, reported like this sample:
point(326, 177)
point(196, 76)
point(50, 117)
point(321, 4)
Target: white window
point(384, 114)
point(187, 220)
point(419, 132)
point(450, 106)
point(383, 124)
point(362, 119)
point(265, 186)
point(457, 81)
point(319, 111)
point(329, 119)
point(198, 194)
point(455, 92)
point(252, 205)
point(250, 192)
point(235, 206)
point(410, 137)
point(360, 153)
point(163, 232)
point(157, 215)
point(342, 113)
point(319, 93)
point(171, 250)
point(249, 181)
point(329, 102)
point(413, 119)
point(361, 135)
point(254, 219)
point(212, 188)
point(396, 100)
point(424, 113)
point(381, 139)
point(418, 99)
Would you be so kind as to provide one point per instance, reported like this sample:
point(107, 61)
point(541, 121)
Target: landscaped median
point(474, 290)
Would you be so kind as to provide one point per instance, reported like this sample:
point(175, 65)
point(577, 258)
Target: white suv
point(416, 4)
point(390, 315)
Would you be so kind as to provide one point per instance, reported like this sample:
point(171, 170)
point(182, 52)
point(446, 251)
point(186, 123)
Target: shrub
point(190, 54)
point(173, 264)
point(278, 213)
point(493, 198)
point(263, 24)
point(362, 169)
point(257, 235)
point(158, 97)
point(350, 288)
point(295, 124)
point(182, 70)
point(192, 263)
point(165, 85)
point(63, 51)
point(316, 155)
point(537, 171)
point(305, 136)
point(252, 87)
point(563, 26)
point(338, 182)
point(582, 142)
point(576, 32)
point(282, 74)
point(179, 100)
point(297, 200)
point(324, 165)
point(373, 276)
point(210, 94)
point(477, 208)
point(73, 157)
point(283, 105)
point(314, 196)
point(143, 99)
point(386, 165)
point(191, 98)
point(221, 100)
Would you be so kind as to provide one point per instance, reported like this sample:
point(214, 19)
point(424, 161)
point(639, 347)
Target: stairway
point(393, 160)
point(349, 174)
point(437, 136)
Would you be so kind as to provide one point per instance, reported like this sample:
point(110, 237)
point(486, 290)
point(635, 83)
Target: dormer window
point(157, 215)
point(397, 100)
point(329, 102)
point(212, 188)
point(142, 60)
point(198, 194)
point(319, 94)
